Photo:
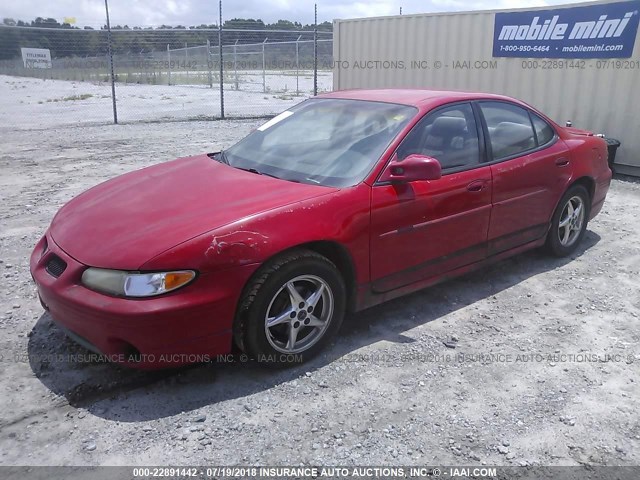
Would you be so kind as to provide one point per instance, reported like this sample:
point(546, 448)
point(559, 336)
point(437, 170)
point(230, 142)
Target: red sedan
point(340, 203)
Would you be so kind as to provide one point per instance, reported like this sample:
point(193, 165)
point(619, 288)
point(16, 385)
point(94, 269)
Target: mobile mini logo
point(552, 29)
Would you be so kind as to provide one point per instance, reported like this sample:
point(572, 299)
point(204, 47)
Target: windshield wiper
point(222, 157)
point(219, 157)
point(257, 172)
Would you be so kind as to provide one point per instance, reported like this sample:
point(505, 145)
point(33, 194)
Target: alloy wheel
point(571, 221)
point(299, 314)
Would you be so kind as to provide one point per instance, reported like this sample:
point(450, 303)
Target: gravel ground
point(531, 361)
point(29, 103)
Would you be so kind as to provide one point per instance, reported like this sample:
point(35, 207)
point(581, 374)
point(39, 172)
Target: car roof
point(416, 97)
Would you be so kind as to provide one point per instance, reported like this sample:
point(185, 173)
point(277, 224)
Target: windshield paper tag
point(275, 120)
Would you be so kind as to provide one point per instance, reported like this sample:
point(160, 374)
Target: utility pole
point(221, 67)
point(113, 77)
point(315, 51)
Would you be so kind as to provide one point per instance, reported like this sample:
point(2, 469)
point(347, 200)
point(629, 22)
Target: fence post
point(113, 77)
point(209, 63)
point(168, 65)
point(186, 62)
point(221, 65)
point(315, 51)
point(264, 69)
point(298, 66)
point(235, 63)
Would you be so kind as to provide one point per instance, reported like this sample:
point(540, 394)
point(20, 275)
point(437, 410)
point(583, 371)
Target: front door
point(426, 228)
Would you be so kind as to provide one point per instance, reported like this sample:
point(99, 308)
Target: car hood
point(126, 221)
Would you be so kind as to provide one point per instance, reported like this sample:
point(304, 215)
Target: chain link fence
point(62, 76)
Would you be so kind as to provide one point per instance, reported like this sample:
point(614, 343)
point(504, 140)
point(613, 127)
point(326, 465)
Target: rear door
point(529, 167)
point(424, 229)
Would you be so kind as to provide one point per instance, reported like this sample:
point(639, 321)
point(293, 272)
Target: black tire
point(554, 243)
point(267, 287)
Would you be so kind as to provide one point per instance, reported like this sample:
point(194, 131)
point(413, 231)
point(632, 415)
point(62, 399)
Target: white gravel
point(29, 103)
point(388, 392)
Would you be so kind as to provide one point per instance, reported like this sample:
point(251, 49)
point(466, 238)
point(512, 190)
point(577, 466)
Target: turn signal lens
point(173, 280)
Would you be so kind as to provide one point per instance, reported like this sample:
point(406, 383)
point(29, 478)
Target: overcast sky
point(196, 12)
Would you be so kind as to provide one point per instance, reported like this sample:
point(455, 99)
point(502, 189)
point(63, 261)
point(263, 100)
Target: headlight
point(132, 284)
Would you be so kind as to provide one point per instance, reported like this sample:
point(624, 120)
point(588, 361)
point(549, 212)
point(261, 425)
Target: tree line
point(65, 40)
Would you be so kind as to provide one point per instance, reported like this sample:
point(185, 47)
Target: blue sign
point(606, 30)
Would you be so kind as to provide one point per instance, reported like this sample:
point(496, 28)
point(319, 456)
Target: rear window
point(544, 132)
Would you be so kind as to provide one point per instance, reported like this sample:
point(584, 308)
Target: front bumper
point(190, 325)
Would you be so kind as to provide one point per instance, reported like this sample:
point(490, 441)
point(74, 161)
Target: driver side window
point(448, 135)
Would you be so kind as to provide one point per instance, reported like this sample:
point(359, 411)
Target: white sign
point(36, 57)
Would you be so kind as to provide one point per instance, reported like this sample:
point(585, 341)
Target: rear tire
point(291, 309)
point(569, 222)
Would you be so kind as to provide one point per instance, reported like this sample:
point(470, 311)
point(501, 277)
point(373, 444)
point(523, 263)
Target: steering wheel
point(347, 164)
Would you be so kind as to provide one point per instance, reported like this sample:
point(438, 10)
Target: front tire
point(569, 222)
point(291, 309)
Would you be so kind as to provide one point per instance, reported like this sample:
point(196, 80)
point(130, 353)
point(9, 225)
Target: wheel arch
point(341, 258)
point(335, 252)
point(587, 182)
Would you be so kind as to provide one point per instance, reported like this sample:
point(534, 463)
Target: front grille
point(55, 266)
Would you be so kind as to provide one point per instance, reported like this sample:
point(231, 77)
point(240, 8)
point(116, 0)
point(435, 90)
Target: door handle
point(476, 186)
point(562, 162)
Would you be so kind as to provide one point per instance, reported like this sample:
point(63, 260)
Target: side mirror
point(413, 168)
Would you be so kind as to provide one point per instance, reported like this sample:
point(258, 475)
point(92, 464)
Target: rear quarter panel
point(589, 157)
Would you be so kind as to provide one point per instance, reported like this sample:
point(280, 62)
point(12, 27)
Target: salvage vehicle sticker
point(274, 120)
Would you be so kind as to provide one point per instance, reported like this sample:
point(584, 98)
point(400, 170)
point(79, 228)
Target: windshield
point(330, 142)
